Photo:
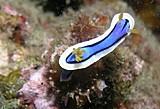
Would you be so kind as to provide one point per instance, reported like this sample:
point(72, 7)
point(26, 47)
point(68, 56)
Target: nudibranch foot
point(84, 54)
point(65, 75)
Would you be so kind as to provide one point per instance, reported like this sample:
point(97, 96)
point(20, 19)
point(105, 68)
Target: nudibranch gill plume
point(86, 53)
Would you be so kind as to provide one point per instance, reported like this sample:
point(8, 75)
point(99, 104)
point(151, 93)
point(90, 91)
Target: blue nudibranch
point(94, 49)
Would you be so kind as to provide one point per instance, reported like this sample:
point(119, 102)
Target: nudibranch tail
point(84, 54)
point(65, 75)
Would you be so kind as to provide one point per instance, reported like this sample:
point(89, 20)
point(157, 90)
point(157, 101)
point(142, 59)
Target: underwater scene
point(79, 54)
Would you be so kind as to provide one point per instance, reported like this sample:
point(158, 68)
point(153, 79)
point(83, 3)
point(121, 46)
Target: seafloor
point(30, 46)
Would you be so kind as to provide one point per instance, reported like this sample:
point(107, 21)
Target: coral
point(86, 27)
point(38, 90)
point(14, 23)
point(144, 101)
point(3, 59)
point(97, 90)
point(127, 78)
point(35, 91)
point(58, 51)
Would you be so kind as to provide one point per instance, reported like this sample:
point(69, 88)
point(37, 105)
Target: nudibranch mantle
point(100, 46)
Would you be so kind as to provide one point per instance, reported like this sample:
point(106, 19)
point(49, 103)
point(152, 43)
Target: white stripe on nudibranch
point(80, 65)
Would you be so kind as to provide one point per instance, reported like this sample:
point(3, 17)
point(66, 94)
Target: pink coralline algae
point(35, 92)
point(38, 92)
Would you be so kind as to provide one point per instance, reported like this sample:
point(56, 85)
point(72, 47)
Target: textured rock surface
point(127, 78)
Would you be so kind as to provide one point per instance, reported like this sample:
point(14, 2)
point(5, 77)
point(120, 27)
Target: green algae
point(9, 85)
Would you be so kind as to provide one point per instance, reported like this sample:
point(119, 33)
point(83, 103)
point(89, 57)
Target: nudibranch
point(86, 53)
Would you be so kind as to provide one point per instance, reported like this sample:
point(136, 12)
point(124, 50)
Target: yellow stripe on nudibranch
point(78, 52)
